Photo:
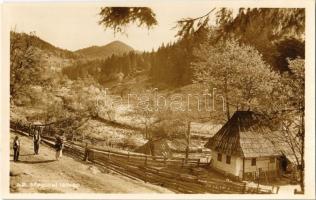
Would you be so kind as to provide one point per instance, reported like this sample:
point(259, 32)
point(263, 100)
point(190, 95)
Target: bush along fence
point(157, 170)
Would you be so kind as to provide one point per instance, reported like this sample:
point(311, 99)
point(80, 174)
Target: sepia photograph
point(189, 97)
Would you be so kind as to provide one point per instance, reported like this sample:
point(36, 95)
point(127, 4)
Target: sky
point(75, 26)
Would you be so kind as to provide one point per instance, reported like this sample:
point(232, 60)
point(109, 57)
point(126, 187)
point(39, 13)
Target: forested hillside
point(169, 65)
point(277, 33)
point(35, 41)
point(172, 66)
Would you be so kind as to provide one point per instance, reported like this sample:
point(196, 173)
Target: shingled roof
point(243, 135)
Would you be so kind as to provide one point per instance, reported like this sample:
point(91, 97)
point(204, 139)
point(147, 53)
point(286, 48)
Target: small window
point(228, 159)
point(253, 162)
point(219, 157)
point(272, 160)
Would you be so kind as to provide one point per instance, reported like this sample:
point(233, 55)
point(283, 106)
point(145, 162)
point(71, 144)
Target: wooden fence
point(155, 169)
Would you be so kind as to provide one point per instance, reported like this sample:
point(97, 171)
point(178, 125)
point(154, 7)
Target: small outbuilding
point(165, 147)
point(156, 147)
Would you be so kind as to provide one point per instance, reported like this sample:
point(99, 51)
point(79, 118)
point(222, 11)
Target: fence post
point(244, 188)
point(198, 163)
point(86, 153)
point(278, 187)
point(128, 156)
point(183, 160)
point(146, 160)
point(91, 155)
point(29, 129)
point(165, 160)
point(145, 177)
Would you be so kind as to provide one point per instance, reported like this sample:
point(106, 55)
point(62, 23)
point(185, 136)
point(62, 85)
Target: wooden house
point(242, 150)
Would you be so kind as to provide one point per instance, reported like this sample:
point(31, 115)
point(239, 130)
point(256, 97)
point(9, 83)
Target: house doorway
point(283, 164)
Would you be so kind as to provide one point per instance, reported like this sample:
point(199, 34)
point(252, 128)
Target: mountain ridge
point(115, 47)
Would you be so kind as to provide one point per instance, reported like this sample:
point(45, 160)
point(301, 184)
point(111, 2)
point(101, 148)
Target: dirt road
point(41, 173)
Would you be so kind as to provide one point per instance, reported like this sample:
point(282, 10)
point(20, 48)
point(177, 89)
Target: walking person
point(16, 148)
point(36, 141)
point(59, 145)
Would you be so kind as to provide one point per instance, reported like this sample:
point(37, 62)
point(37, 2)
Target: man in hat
point(36, 141)
point(16, 148)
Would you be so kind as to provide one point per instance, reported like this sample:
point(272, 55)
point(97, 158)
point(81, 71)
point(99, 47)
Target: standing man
point(36, 141)
point(16, 148)
point(59, 145)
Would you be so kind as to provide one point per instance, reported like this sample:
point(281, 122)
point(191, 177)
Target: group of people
point(59, 145)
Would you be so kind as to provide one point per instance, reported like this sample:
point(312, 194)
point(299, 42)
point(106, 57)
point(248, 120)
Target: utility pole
point(188, 137)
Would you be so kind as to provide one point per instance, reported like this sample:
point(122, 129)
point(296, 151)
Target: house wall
point(263, 163)
point(234, 168)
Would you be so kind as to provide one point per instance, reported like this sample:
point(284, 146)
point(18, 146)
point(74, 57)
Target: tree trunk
point(227, 110)
point(226, 96)
point(227, 104)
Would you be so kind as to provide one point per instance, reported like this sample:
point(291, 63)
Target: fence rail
point(154, 169)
